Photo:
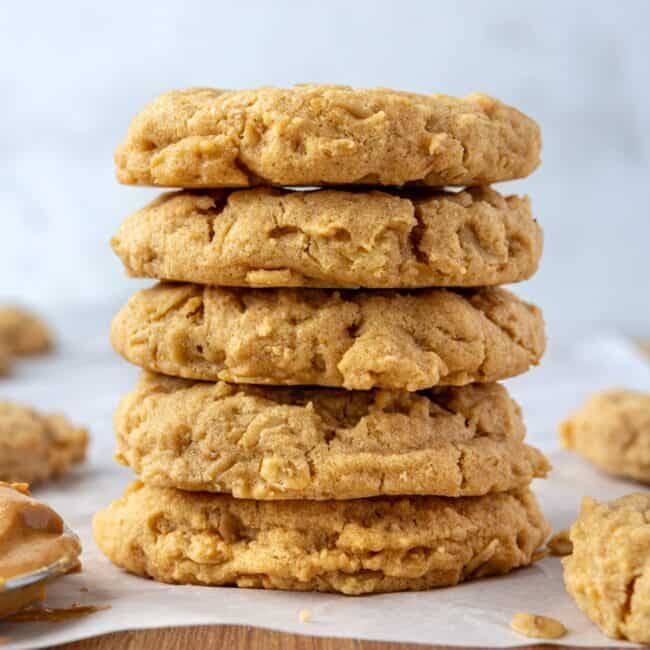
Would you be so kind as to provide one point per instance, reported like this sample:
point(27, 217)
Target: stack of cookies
point(318, 408)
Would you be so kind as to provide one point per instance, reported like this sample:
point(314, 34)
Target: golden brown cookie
point(608, 573)
point(332, 238)
point(356, 339)
point(22, 332)
point(612, 430)
point(35, 447)
point(267, 442)
point(322, 135)
point(6, 359)
point(354, 547)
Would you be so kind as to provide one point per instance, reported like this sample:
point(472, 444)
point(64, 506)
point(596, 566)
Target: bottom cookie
point(354, 547)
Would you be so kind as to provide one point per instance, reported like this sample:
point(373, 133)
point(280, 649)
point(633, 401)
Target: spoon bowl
point(19, 591)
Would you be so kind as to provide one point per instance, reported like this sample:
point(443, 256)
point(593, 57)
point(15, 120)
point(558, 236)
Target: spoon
point(22, 590)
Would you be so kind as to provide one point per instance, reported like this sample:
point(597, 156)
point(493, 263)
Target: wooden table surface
point(232, 637)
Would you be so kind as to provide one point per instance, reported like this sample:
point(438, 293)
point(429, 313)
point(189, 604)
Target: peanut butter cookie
point(6, 359)
point(612, 430)
point(22, 332)
point(356, 339)
point(322, 135)
point(608, 572)
point(332, 238)
point(265, 442)
point(354, 547)
point(35, 447)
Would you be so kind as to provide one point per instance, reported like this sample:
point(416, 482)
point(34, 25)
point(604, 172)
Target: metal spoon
point(28, 582)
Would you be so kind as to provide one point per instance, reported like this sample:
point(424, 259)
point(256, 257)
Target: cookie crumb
point(560, 544)
point(304, 616)
point(537, 627)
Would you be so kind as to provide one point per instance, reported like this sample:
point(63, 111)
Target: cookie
point(354, 547)
point(612, 430)
point(36, 447)
point(22, 332)
point(356, 339)
point(264, 442)
point(332, 238)
point(6, 359)
point(608, 573)
point(322, 135)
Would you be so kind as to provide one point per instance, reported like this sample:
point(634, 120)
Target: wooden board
point(230, 637)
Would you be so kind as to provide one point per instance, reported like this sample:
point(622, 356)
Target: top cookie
point(325, 135)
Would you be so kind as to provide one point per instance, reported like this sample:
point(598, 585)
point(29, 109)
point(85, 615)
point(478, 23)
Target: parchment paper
point(85, 380)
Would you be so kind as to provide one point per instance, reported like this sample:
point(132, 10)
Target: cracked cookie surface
point(322, 135)
point(23, 333)
point(608, 572)
point(612, 430)
point(354, 547)
point(263, 442)
point(36, 447)
point(355, 339)
point(333, 238)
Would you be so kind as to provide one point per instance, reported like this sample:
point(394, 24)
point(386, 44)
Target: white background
point(73, 74)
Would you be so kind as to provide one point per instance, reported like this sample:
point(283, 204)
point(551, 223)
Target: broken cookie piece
point(36, 447)
point(23, 333)
point(612, 430)
point(608, 573)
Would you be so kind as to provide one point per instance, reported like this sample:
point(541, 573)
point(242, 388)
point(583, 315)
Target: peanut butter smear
point(32, 537)
point(37, 614)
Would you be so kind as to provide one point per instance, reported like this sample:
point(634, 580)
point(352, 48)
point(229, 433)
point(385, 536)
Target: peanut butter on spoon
point(32, 538)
